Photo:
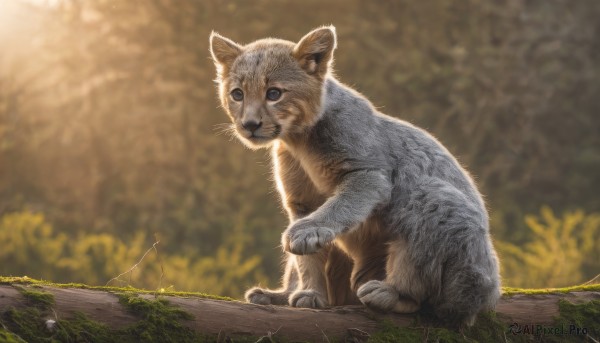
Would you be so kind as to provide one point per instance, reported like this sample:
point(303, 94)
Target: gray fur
point(395, 201)
point(391, 169)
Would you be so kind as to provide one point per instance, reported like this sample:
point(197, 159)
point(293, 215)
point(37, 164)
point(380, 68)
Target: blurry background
point(109, 136)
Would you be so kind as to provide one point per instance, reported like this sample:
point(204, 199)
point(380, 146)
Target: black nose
point(251, 125)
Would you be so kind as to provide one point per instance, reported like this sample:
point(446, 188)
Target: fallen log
point(223, 319)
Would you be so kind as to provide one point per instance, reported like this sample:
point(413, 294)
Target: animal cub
point(380, 212)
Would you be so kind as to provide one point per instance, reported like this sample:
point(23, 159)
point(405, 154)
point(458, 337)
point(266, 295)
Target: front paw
point(263, 296)
point(257, 295)
point(308, 299)
point(306, 237)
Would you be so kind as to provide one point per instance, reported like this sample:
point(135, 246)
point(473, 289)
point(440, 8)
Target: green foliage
point(97, 258)
point(229, 272)
point(562, 251)
point(29, 242)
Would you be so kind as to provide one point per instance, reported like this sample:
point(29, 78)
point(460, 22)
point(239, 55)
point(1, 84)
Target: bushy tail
point(465, 294)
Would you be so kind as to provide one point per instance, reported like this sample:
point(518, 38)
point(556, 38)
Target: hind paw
point(380, 296)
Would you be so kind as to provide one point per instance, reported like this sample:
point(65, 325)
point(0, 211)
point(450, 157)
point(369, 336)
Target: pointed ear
point(223, 50)
point(314, 52)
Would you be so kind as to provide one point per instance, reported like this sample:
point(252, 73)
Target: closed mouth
point(253, 136)
point(275, 134)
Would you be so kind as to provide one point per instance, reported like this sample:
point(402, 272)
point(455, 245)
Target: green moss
point(12, 280)
point(82, 329)
point(510, 291)
point(391, 333)
point(574, 318)
point(39, 299)
point(506, 291)
point(162, 322)
point(487, 329)
point(586, 314)
point(30, 324)
point(27, 324)
point(159, 322)
point(9, 337)
point(574, 322)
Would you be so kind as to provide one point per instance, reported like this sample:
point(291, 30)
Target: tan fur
point(338, 269)
point(303, 180)
point(267, 63)
point(300, 197)
point(368, 249)
point(406, 277)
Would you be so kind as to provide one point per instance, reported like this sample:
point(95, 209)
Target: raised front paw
point(308, 299)
point(306, 237)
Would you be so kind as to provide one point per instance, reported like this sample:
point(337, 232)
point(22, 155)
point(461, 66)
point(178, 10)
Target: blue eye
point(273, 94)
point(237, 94)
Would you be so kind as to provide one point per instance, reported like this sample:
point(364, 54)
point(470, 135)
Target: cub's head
point(272, 88)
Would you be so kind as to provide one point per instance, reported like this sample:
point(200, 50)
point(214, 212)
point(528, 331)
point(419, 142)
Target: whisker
point(222, 125)
point(225, 129)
